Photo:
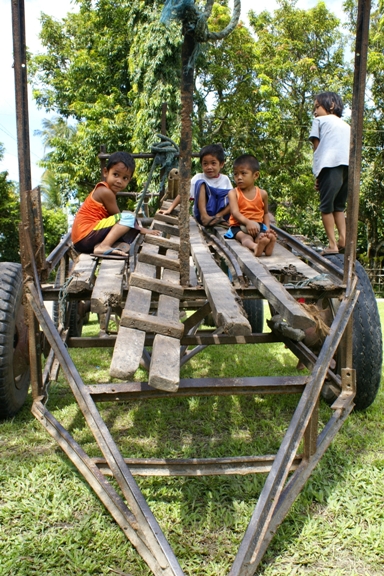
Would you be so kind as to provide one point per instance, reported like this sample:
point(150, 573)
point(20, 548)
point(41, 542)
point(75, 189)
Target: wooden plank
point(129, 345)
point(167, 219)
point(270, 288)
point(166, 228)
point(160, 286)
point(173, 243)
point(108, 289)
point(220, 293)
point(159, 260)
point(150, 323)
point(164, 371)
point(83, 274)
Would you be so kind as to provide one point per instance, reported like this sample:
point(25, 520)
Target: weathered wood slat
point(159, 260)
point(108, 289)
point(83, 274)
point(223, 299)
point(149, 323)
point(166, 228)
point(173, 244)
point(129, 345)
point(160, 286)
point(164, 372)
point(173, 220)
point(270, 287)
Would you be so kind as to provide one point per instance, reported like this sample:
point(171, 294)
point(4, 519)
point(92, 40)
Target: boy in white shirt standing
point(209, 189)
point(330, 137)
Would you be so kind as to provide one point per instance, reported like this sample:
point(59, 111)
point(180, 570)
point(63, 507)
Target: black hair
point(215, 150)
point(124, 157)
point(331, 102)
point(247, 160)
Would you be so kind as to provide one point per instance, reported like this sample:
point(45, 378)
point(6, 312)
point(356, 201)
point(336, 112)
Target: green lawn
point(52, 524)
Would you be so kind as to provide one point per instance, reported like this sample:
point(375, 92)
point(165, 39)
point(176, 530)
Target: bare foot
point(272, 241)
point(262, 242)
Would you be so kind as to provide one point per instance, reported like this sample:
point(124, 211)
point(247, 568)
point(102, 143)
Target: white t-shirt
point(222, 181)
point(333, 148)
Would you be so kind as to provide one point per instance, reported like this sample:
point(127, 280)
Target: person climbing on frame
point(249, 220)
point(99, 224)
point(330, 137)
point(209, 189)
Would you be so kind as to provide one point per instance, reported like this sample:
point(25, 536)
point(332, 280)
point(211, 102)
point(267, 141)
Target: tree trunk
point(185, 153)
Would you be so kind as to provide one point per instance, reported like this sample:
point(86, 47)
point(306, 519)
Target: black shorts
point(87, 244)
point(333, 188)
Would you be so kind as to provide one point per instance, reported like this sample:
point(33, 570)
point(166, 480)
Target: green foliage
point(106, 70)
point(55, 226)
point(9, 218)
point(263, 88)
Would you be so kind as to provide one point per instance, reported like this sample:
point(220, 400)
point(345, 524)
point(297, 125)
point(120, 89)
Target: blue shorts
point(234, 230)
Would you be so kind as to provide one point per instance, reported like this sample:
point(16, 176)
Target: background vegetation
point(107, 69)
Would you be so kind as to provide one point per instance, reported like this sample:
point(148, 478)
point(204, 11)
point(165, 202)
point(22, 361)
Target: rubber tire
point(14, 378)
point(367, 339)
point(255, 313)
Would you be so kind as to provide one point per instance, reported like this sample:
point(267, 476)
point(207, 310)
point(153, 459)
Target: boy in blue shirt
point(209, 189)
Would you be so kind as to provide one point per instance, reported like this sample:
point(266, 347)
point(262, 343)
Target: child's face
point(244, 177)
point(211, 166)
point(318, 110)
point(118, 177)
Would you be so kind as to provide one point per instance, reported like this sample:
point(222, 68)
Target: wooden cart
point(145, 294)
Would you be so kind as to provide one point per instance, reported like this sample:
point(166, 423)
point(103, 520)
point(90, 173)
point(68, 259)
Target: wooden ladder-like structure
point(150, 317)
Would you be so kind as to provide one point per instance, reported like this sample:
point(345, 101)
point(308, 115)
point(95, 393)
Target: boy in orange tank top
point(249, 218)
point(99, 224)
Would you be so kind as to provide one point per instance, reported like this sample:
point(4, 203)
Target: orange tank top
point(89, 214)
point(250, 209)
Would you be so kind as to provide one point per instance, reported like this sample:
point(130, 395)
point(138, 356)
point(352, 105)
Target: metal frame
point(131, 511)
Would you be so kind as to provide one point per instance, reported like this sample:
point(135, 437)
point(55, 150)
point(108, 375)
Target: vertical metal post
point(25, 183)
point(21, 95)
point(359, 82)
point(361, 51)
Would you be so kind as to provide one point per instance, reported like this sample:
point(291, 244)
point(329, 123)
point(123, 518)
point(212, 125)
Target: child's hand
point(165, 212)
point(253, 228)
point(153, 232)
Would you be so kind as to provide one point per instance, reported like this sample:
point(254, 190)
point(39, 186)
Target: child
point(330, 139)
point(209, 189)
point(99, 223)
point(249, 218)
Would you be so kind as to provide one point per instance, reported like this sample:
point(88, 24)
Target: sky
point(58, 9)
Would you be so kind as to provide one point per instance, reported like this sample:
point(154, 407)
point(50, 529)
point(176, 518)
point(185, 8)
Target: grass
point(52, 524)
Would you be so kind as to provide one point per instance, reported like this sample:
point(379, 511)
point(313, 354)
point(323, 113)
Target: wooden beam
point(161, 286)
point(108, 289)
point(158, 260)
point(270, 287)
point(220, 293)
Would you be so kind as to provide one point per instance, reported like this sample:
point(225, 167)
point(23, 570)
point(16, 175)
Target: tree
point(263, 88)
point(9, 218)
point(106, 71)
